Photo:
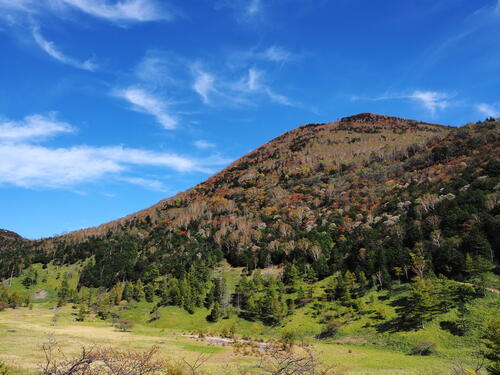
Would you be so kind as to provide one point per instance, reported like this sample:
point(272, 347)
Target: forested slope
point(387, 197)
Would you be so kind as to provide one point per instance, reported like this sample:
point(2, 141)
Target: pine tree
point(128, 291)
point(477, 268)
point(423, 303)
point(491, 343)
point(215, 313)
point(149, 292)
point(63, 292)
point(291, 277)
point(138, 292)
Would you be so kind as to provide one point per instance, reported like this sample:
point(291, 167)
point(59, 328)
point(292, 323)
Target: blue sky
point(108, 106)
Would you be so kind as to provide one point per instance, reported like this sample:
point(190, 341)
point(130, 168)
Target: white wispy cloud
point(122, 11)
point(244, 10)
point(30, 165)
point(18, 12)
point(159, 69)
point(276, 54)
point(253, 8)
point(51, 49)
point(203, 145)
point(204, 84)
point(147, 102)
point(253, 84)
point(16, 4)
point(216, 85)
point(430, 100)
point(226, 90)
point(32, 128)
point(146, 183)
point(489, 110)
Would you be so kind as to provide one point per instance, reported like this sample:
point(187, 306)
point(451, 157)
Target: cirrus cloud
point(51, 49)
point(488, 109)
point(430, 100)
point(145, 101)
point(119, 12)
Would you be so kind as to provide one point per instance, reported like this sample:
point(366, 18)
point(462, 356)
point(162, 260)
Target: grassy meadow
point(361, 346)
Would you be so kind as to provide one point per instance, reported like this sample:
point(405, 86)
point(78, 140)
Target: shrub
point(423, 348)
point(331, 329)
point(4, 369)
point(288, 339)
point(125, 325)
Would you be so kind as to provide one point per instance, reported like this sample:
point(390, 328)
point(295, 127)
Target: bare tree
point(100, 361)
point(195, 366)
point(301, 361)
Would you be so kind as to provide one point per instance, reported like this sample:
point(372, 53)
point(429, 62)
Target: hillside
point(10, 240)
point(314, 149)
point(372, 233)
point(311, 196)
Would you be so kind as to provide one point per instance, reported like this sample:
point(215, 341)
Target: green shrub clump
point(423, 348)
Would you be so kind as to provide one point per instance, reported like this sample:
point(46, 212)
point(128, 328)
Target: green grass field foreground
point(367, 342)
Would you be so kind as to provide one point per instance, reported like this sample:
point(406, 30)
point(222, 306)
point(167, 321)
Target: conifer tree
point(138, 291)
point(149, 292)
point(215, 313)
point(128, 291)
point(423, 304)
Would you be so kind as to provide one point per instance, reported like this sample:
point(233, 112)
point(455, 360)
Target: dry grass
point(23, 331)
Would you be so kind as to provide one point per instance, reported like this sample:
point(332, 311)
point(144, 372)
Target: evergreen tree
point(63, 292)
point(138, 291)
point(477, 268)
point(491, 343)
point(291, 277)
point(149, 292)
point(215, 313)
point(128, 291)
point(423, 304)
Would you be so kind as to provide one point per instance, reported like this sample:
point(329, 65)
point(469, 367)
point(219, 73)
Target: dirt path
point(222, 340)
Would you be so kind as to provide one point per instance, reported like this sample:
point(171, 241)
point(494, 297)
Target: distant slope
point(10, 239)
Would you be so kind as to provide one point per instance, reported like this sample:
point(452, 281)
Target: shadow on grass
point(401, 322)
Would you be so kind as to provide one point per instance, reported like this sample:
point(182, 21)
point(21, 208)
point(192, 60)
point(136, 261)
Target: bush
point(125, 325)
point(4, 370)
point(331, 329)
point(288, 339)
point(423, 348)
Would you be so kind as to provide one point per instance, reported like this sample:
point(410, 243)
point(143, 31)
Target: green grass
point(358, 349)
point(49, 280)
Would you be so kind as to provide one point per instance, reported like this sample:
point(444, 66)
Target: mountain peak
point(301, 154)
point(375, 118)
point(7, 234)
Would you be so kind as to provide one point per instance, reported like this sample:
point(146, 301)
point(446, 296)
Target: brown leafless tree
point(99, 361)
point(300, 361)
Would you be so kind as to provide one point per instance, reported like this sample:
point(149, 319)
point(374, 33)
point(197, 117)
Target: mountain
point(365, 193)
point(304, 153)
point(10, 240)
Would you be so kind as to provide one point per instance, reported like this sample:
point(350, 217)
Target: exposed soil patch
point(40, 294)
